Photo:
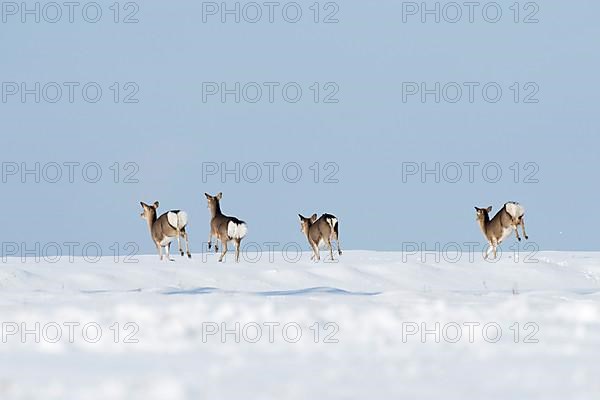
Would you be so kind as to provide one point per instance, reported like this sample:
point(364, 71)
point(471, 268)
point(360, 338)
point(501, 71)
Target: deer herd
point(172, 225)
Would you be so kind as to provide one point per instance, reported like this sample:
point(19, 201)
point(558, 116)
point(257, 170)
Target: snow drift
point(373, 325)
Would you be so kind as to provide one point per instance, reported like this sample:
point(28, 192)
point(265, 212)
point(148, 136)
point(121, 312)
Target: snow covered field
point(201, 330)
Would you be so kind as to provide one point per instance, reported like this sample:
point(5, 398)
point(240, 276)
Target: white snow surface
point(368, 302)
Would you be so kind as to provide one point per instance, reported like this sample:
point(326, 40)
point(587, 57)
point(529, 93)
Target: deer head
point(149, 212)
point(483, 214)
point(305, 223)
point(213, 200)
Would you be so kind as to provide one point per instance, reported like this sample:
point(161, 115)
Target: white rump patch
point(177, 220)
point(515, 209)
point(236, 231)
point(332, 222)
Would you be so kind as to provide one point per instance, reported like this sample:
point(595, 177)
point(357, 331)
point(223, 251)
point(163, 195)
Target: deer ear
point(220, 196)
point(313, 218)
point(489, 209)
point(156, 203)
point(207, 195)
point(142, 204)
point(301, 217)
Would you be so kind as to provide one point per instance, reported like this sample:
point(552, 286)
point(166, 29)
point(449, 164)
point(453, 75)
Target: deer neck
point(151, 221)
point(484, 224)
point(307, 233)
point(215, 210)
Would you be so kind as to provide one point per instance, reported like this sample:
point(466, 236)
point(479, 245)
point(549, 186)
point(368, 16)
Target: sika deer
point(224, 228)
point(317, 231)
point(166, 228)
point(504, 222)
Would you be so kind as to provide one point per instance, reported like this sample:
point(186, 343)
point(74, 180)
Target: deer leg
point(330, 248)
point(333, 236)
point(495, 247)
point(224, 251)
point(179, 233)
point(517, 232)
point(187, 244)
point(315, 247)
point(159, 248)
point(168, 250)
point(489, 249)
point(237, 249)
point(523, 227)
point(210, 239)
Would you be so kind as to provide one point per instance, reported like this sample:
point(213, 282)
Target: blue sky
point(367, 137)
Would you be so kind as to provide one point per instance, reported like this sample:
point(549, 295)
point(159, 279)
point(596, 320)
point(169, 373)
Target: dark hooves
point(189, 255)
